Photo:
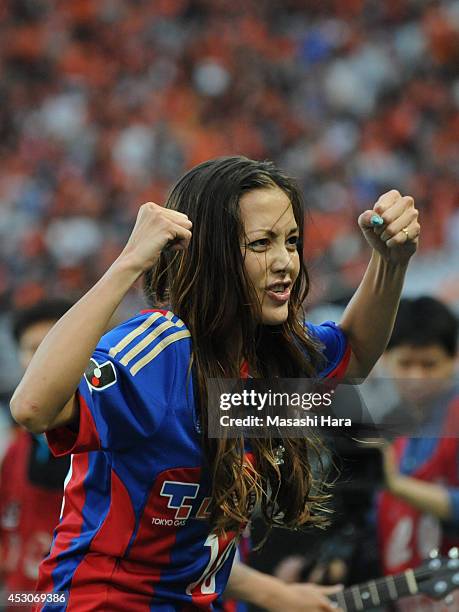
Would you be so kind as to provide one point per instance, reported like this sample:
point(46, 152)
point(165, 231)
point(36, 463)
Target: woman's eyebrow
point(270, 232)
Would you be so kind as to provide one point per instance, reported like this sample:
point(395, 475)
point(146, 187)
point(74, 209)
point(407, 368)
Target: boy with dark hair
point(27, 322)
point(425, 322)
point(31, 479)
point(419, 510)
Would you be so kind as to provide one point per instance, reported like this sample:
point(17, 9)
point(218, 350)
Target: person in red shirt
point(419, 509)
point(31, 479)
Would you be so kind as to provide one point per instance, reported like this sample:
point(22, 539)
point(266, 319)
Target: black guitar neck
point(376, 592)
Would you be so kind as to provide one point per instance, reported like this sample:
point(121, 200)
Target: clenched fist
point(155, 229)
point(396, 239)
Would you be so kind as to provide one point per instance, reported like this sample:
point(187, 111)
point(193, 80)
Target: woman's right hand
point(155, 228)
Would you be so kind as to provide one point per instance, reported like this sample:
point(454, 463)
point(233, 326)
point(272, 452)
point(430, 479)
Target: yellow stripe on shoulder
point(149, 339)
point(138, 331)
point(146, 359)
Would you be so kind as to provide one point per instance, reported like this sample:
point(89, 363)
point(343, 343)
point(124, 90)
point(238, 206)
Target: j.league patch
point(100, 376)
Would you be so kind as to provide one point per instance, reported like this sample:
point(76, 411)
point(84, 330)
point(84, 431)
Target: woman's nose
point(282, 259)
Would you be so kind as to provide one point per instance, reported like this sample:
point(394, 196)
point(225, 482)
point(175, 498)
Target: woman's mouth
point(279, 293)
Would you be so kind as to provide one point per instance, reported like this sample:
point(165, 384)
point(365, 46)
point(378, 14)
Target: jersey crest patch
point(100, 376)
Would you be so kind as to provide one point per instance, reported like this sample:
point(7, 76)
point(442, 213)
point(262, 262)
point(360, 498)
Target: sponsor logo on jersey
point(182, 498)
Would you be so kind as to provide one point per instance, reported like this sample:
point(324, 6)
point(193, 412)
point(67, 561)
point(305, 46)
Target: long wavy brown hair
point(208, 288)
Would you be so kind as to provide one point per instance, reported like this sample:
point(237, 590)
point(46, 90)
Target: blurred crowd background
point(104, 103)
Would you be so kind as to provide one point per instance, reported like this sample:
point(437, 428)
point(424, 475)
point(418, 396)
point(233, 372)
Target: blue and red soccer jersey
point(132, 535)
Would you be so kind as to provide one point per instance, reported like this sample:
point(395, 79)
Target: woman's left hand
point(397, 239)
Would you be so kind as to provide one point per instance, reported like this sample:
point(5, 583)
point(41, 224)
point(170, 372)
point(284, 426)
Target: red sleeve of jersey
point(65, 441)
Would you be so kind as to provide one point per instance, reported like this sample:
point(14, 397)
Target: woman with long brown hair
point(153, 506)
